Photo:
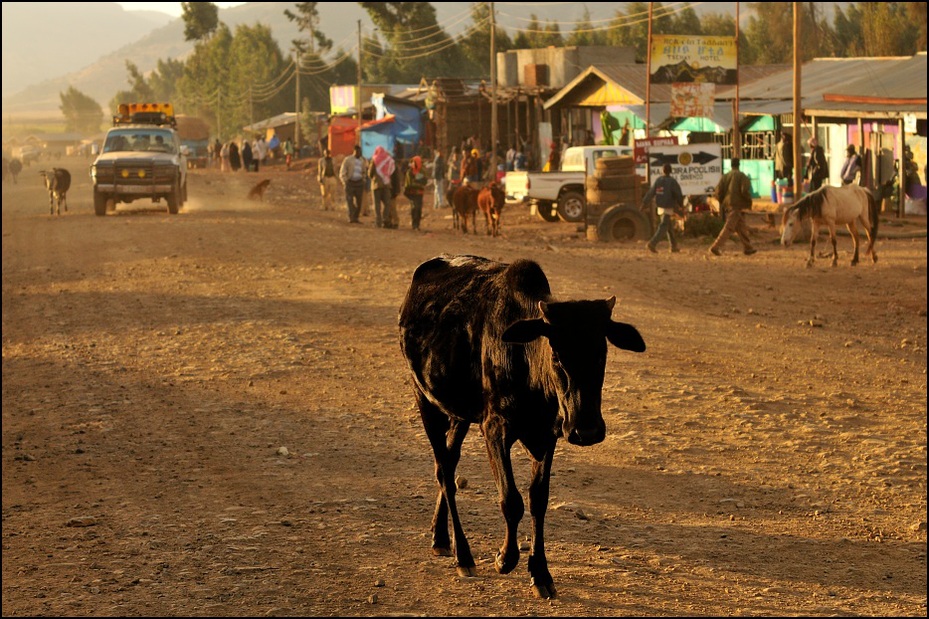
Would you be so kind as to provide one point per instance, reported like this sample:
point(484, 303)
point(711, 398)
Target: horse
point(830, 206)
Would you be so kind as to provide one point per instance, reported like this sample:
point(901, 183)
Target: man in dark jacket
point(818, 169)
point(669, 198)
point(734, 193)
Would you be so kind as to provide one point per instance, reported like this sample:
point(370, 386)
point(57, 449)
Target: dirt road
point(208, 414)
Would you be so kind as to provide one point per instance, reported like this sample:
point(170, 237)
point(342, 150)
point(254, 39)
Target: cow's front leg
point(498, 444)
point(540, 578)
point(446, 438)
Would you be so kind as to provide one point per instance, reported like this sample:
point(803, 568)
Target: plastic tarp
point(342, 131)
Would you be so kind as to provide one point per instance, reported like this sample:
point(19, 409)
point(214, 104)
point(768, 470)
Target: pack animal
point(258, 191)
point(58, 182)
point(829, 206)
point(487, 344)
point(464, 205)
point(490, 201)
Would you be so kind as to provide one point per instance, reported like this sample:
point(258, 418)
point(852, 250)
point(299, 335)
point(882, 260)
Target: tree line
point(235, 77)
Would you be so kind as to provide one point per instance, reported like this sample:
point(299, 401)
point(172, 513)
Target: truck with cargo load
point(560, 194)
point(142, 158)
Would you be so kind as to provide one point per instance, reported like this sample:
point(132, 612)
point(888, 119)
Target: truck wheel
point(547, 211)
point(100, 201)
point(571, 206)
point(623, 223)
point(184, 194)
point(174, 199)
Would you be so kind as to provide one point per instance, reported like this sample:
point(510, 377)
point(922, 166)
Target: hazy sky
point(171, 8)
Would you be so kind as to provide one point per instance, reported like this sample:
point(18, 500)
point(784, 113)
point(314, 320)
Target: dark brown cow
point(488, 345)
point(464, 204)
point(490, 201)
point(58, 182)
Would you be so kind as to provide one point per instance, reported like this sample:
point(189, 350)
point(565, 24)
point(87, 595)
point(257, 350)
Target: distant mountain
point(88, 46)
point(51, 39)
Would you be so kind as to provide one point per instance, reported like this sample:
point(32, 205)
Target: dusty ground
point(766, 455)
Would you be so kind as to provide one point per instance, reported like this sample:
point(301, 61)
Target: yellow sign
point(679, 58)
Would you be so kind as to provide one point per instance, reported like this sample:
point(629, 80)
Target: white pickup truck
point(561, 194)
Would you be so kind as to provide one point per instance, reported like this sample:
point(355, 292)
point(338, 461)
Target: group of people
point(387, 179)
point(250, 155)
point(734, 193)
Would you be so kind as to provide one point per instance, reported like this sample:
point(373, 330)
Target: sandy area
point(208, 414)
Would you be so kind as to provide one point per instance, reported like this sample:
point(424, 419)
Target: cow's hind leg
point(446, 437)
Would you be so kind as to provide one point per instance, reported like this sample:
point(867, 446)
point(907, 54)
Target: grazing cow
point(58, 182)
point(488, 345)
point(464, 204)
point(490, 200)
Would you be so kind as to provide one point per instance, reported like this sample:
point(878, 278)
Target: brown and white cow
point(487, 344)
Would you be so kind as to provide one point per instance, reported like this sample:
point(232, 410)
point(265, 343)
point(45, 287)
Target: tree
point(415, 45)
point(629, 28)
point(138, 91)
point(200, 20)
point(307, 18)
point(82, 113)
point(887, 29)
point(474, 43)
point(769, 34)
point(584, 32)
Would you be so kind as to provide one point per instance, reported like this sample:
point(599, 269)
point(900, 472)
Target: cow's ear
point(627, 337)
point(524, 331)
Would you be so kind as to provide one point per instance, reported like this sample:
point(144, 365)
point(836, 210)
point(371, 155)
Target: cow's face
point(577, 332)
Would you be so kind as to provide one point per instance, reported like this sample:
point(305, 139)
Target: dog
point(258, 191)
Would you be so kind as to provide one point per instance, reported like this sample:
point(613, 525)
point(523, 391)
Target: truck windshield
point(139, 140)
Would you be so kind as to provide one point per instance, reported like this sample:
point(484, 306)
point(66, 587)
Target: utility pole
point(736, 134)
point(297, 105)
point(648, 92)
point(358, 96)
point(797, 111)
point(494, 131)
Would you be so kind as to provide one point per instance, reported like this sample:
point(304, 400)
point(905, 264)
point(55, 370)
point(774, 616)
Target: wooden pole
point(797, 109)
point(297, 106)
point(736, 133)
point(494, 130)
point(358, 105)
point(648, 92)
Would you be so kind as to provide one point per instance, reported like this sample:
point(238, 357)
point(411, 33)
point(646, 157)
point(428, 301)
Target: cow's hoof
point(441, 551)
point(506, 563)
point(467, 572)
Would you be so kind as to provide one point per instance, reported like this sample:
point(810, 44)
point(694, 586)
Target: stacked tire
point(614, 193)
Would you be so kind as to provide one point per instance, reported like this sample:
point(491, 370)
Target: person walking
point(414, 187)
point(288, 152)
point(325, 175)
point(818, 169)
point(851, 169)
point(670, 199)
point(784, 157)
point(248, 158)
point(352, 175)
point(381, 169)
point(438, 179)
point(235, 161)
point(734, 193)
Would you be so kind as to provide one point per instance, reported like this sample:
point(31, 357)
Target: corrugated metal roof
point(818, 77)
point(905, 79)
